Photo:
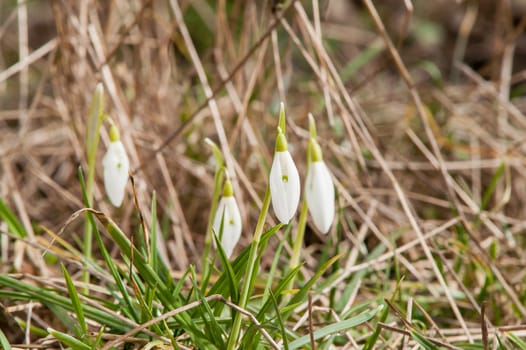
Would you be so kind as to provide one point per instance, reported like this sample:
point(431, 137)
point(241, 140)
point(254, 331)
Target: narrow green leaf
point(280, 321)
point(13, 224)
point(35, 293)
point(70, 341)
point(492, 186)
point(107, 258)
point(302, 293)
point(4, 342)
point(233, 282)
point(213, 329)
point(423, 341)
point(253, 337)
point(239, 265)
point(517, 341)
point(468, 346)
point(77, 307)
point(336, 327)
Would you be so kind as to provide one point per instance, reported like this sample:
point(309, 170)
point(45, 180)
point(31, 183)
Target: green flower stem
point(298, 242)
point(206, 263)
point(300, 233)
point(218, 182)
point(96, 115)
point(250, 271)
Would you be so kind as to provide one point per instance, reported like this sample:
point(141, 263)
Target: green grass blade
point(107, 258)
point(13, 224)
point(492, 186)
point(423, 341)
point(70, 341)
point(521, 344)
point(239, 265)
point(45, 296)
point(277, 291)
point(280, 321)
point(252, 337)
point(4, 342)
point(213, 328)
point(335, 327)
point(77, 307)
point(154, 259)
point(231, 276)
point(302, 293)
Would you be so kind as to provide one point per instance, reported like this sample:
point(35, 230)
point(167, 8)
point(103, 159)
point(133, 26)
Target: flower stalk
point(246, 290)
point(218, 180)
point(95, 118)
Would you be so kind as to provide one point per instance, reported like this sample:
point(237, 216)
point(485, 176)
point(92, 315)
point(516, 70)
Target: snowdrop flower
point(284, 181)
point(319, 189)
point(116, 166)
point(228, 213)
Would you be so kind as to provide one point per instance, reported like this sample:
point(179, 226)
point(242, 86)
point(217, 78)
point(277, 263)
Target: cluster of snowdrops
point(284, 185)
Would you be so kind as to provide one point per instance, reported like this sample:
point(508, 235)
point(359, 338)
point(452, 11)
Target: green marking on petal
point(231, 222)
point(119, 165)
point(285, 178)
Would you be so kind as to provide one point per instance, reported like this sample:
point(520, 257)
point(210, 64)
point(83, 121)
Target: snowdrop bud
point(116, 166)
point(228, 213)
point(319, 189)
point(284, 181)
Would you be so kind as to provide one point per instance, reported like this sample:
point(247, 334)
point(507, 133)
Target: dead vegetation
point(420, 113)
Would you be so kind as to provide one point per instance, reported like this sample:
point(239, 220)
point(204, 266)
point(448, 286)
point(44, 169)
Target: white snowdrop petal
point(231, 224)
point(319, 192)
point(116, 166)
point(285, 186)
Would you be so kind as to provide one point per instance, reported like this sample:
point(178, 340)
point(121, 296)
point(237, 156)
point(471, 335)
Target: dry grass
point(426, 143)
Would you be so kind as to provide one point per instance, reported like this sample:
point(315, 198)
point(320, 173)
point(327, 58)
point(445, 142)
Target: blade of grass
point(231, 277)
point(517, 341)
point(336, 327)
point(95, 118)
point(492, 186)
point(302, 293)
point(4, 342)
point(31, 292)
point(13, 224)
point(107, 258)
point(280, 321)
point(70, 341)
point(77, 306)
point(423, 341)
point(213, 329)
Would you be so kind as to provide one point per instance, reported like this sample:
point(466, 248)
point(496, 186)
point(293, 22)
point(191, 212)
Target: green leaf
point(468, 346)
point(239, 265)
point(4, 342)
point(107, 258)
point(13, 224)
point(70, 341)
point(335, 328)
point(77, 307)
point(231, 277)
point(521, 344)
point(213, 330)
point(423, 341)
point(302, 293)
point(492, 186)
point(280, 322)
point(30, 292)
